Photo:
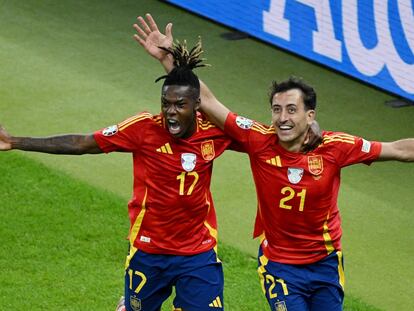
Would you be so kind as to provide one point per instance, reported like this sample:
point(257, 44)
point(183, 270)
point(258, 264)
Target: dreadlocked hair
point(184, 63)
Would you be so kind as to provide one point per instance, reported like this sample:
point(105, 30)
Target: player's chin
point(176, 132)
point(181, 132)
point(285, 136)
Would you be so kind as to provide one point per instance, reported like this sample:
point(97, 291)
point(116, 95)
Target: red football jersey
point(171, 211)
point(297, 214)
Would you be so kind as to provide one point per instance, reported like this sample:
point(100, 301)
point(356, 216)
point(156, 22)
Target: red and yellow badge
point(207, 150)
point(315, 164)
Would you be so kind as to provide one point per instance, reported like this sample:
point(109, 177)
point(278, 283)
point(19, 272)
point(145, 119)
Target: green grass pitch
point(64, 245)
point(72, 66)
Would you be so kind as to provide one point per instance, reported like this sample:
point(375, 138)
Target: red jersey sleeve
point(238, 128)
point(352, 149)
point(126, 136)
point(247, 134)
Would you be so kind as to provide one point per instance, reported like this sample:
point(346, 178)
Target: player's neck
point(191, 130)
point(294, 145)
point(290, 147)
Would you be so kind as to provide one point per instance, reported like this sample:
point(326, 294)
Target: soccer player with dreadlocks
point(173, 229)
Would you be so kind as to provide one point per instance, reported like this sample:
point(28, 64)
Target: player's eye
point(276, 109)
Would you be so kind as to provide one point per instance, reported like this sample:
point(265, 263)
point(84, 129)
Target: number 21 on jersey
point(289, 194)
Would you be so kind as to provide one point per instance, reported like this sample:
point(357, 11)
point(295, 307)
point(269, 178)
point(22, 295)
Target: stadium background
point(72, 67)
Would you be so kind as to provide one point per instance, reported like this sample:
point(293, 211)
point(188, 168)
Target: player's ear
point(310, 114)
point(197, 104)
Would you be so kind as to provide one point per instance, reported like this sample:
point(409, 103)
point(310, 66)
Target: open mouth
point(174, 126)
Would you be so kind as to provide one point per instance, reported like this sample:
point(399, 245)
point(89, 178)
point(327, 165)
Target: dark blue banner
point(370, 40)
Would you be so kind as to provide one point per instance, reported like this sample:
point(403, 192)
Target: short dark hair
point(184, 61)
point(308, 93)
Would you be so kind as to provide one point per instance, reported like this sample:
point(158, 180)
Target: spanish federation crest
point(110, 130)
point(295, 175)
point(207, 150)
point(243, 122)
point(135, 303)
point(280, 306)
point(315, 164)
point(188, 161)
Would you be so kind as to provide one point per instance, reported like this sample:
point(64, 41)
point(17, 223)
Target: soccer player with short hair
point(300, 260)
point(173, 229)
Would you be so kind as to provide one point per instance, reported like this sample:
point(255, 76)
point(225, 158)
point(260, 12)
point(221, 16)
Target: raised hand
point(5, 140)
point(313, 138)
point(150, 38)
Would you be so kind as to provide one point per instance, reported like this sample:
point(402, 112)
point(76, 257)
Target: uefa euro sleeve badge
point(244, 123)
point(110, 130)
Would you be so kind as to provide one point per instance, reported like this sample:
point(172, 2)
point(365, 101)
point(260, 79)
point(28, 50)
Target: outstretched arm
point(150, 38)
point(399, 150)
point(63, 144)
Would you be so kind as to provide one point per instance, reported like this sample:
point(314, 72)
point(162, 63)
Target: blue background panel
point(369, 40)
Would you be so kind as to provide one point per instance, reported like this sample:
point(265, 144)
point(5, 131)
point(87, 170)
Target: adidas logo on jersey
point(165, 149)
point(275, 161)
point(216, 303)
